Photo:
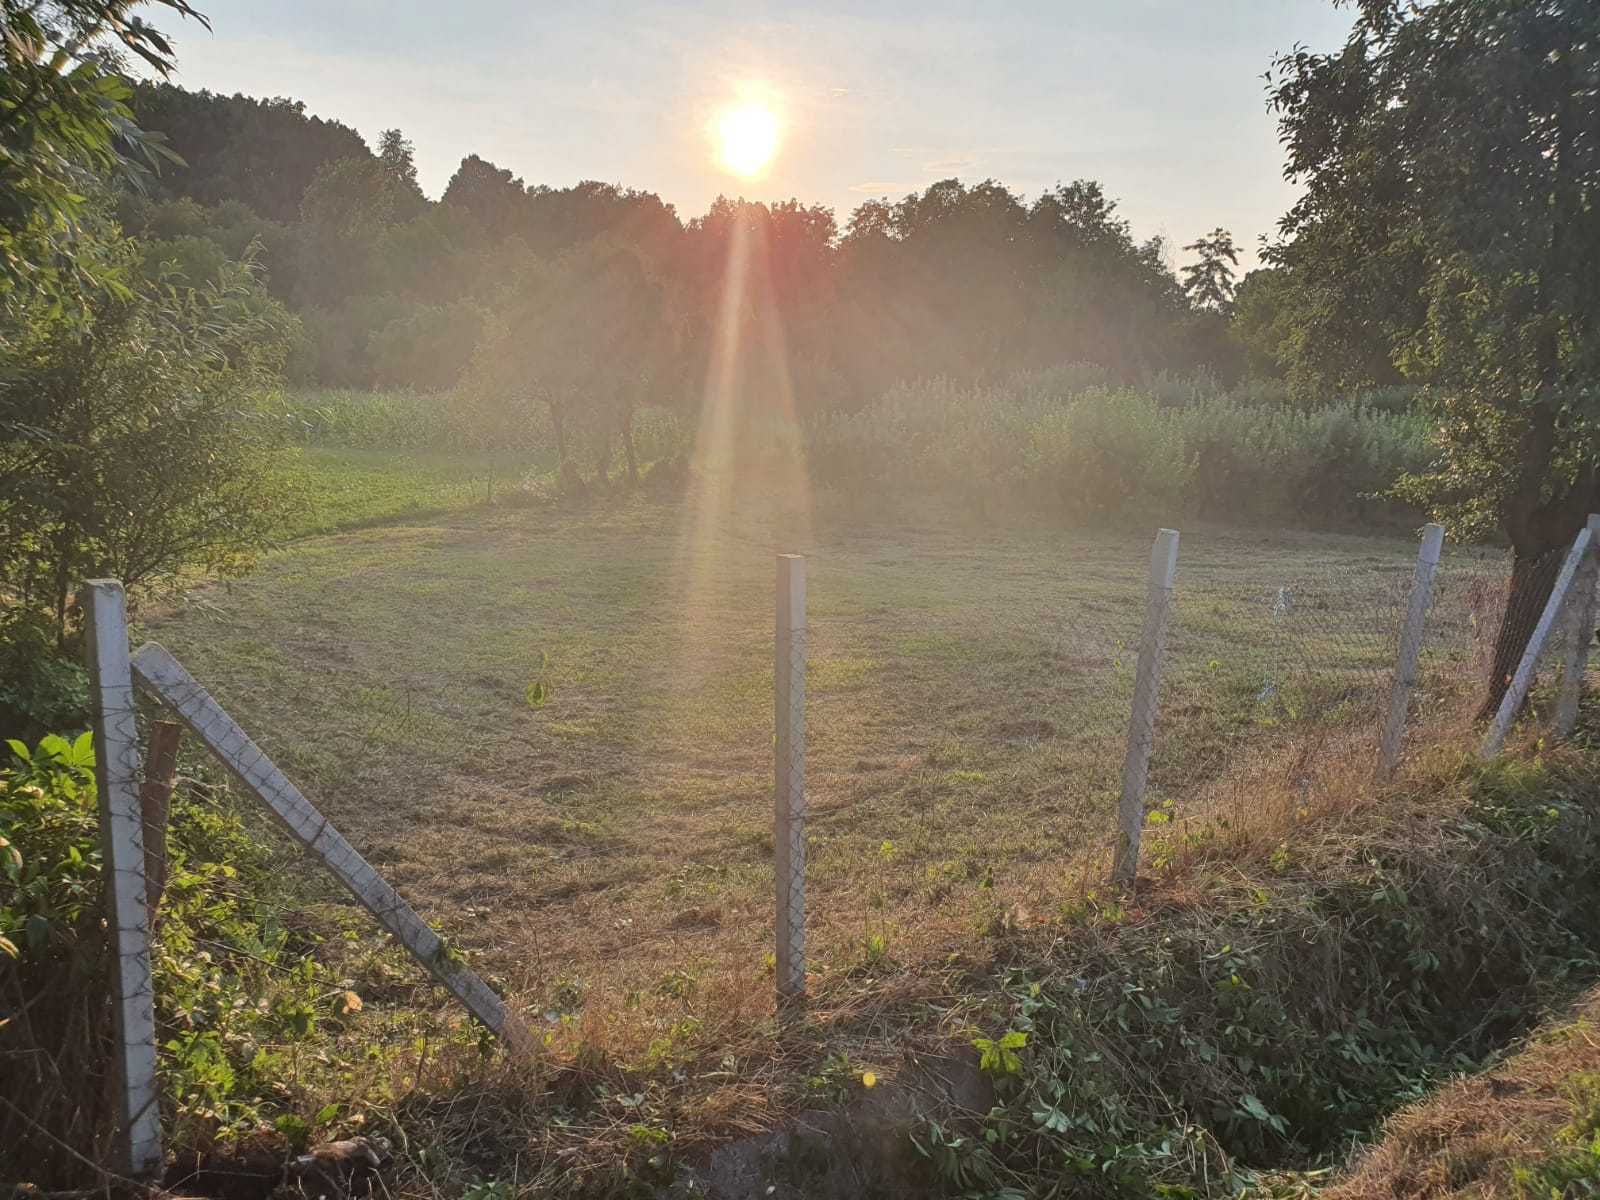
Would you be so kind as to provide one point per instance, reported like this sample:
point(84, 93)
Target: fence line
point(1344, 707)
point(1580, 631)
point(116, 753)
point(163, 676)
point(1517, 692)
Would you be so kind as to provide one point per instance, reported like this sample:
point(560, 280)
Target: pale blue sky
point(1161, 100)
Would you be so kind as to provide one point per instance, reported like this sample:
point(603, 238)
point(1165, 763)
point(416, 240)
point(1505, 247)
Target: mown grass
point(968, 702)
point(326, 489)
point(602, 846)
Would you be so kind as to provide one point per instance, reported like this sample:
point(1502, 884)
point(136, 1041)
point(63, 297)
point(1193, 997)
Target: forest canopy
point(959, 280)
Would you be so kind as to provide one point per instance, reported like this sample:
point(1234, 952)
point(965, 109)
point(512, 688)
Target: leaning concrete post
point(1523, 679)
point(158, 673)
point(1142, 719)
point(1580, 629)
point(1405, 668)
point(116, 762)
point(789, 827)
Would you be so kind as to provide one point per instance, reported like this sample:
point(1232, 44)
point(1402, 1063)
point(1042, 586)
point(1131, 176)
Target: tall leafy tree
point(1451, 159)
point(1208, 281)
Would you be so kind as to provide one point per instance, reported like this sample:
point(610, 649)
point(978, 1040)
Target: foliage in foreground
point(65, 125)
point(1527, 1130)
point(1256, 1011)
point(263, 1012)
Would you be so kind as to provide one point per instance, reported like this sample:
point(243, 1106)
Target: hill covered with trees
point(963, 281)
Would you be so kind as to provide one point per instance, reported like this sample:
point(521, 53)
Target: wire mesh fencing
point(1279, 672)
point(924, 734)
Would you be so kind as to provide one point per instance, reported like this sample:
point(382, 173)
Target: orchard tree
point(588, 339)
point(1451, 212)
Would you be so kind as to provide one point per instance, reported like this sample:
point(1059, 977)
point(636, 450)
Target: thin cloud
point(881, 188)
point(943, 165)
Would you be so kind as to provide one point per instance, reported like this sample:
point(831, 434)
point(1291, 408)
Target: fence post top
point(1432, 542)
point(1164, 557)
point(104, 586)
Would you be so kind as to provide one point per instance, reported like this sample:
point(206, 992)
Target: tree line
point(958, 280)
point(1447, 238)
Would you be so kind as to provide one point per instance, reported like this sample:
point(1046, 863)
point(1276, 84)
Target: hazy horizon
point(1162, 102)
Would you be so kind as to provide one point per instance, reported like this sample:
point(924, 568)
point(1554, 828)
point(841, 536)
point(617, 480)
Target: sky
point(1162, 101)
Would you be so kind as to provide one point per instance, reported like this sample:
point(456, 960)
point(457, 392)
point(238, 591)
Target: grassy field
point(611, 847)
point(330, 489)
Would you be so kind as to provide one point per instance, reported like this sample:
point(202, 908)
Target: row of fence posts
point(1574, 591)
point(134, 870)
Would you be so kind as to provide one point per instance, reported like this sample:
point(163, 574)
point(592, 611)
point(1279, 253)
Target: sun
point(747, 138)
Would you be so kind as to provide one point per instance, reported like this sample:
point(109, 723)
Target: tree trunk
point(1533, 575)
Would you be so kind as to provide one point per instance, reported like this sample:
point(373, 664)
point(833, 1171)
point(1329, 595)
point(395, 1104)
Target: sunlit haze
point(1162, 102)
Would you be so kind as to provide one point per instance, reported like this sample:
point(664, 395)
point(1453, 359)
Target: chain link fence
point(953, 731)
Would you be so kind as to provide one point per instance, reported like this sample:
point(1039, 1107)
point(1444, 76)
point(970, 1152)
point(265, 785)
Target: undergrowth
point(1247, 1019)
point(264, 995)
point(1255, 1007)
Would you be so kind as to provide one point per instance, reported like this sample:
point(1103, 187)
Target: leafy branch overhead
point(65, 123)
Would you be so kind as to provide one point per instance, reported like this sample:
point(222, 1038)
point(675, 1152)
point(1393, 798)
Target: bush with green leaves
point(127, 447)
point(259, 1013)
point(39, 689)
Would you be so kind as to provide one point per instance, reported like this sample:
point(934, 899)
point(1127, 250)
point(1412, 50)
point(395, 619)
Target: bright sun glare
point(747, 138)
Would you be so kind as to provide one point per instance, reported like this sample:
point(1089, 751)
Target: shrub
point(123, 450)
point(246, 977)
point(39, 689)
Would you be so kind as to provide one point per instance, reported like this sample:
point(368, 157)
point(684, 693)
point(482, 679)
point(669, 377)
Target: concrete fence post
point(1580, 629)
point(1405, 668)
point(789, 748)
point(116, 761)
point(1142, 718)
point(1522, 680)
